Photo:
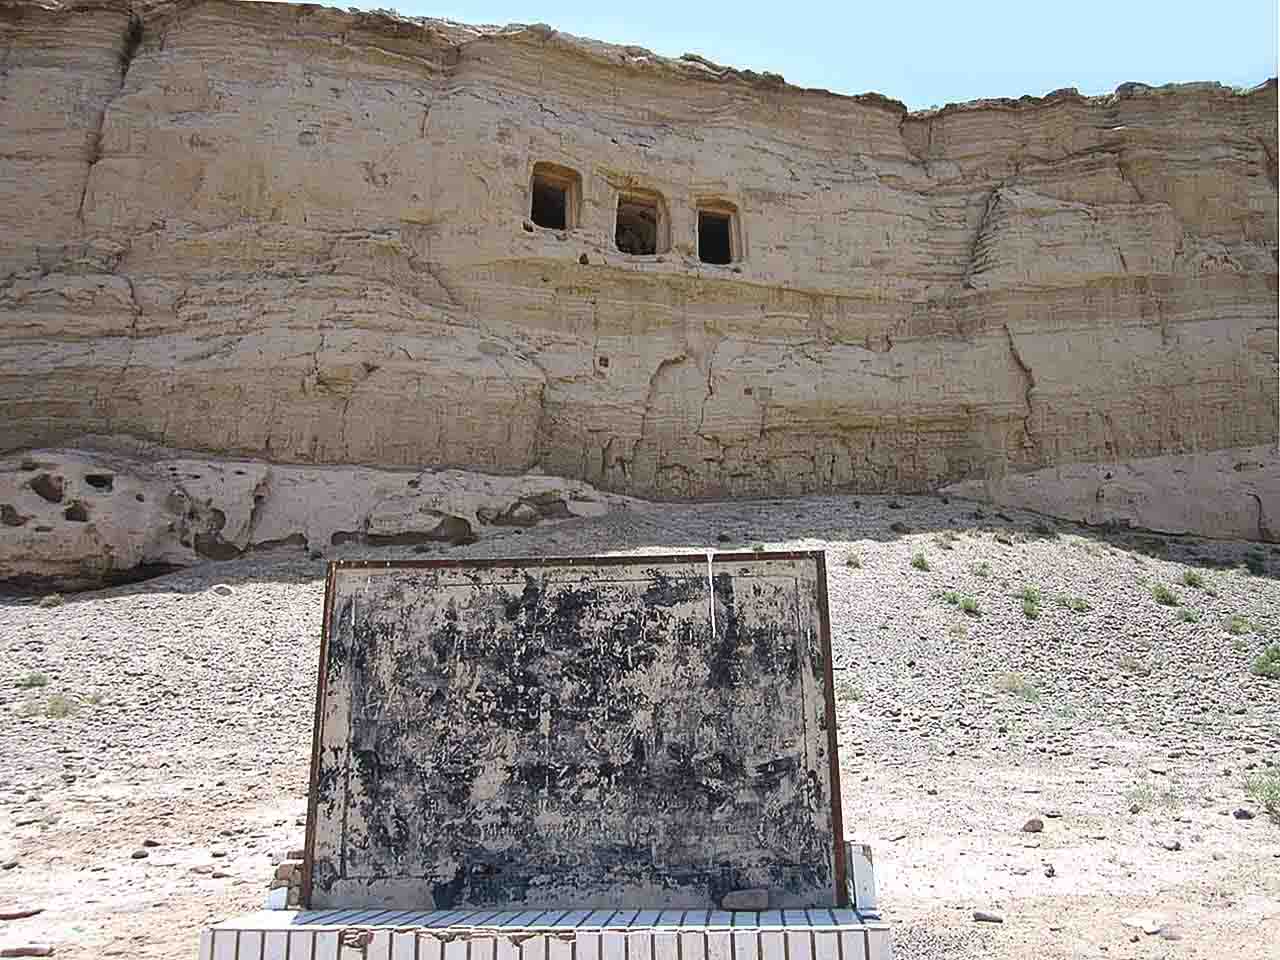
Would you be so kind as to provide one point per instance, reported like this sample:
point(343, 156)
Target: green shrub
point(59, 706)
point(1075, 604)
point(1192, 578)
point(1030, 597)
point(982, 570)
point(1267, 663)
point(1016, 684)
point(970, 606)
point(846, 689)
point(1187, 615)
point(1264, 790)
point(853, 560)
point(1237, 625)
point(1164, 595)
point(920, 562)
point(33, 679)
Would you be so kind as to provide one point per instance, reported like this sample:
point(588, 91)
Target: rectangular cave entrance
point(637, 226)
point(554, 195)
point(715, 236)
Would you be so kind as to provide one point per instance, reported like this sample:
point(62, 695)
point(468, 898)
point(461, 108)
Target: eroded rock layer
point(84, 518)
point(299, 234)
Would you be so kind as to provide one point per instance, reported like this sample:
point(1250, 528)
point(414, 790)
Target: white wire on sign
point(711, 596)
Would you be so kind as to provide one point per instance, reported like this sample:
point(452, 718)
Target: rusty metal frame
point(841, 889)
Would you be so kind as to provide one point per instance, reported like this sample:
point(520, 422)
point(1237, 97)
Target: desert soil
point(1127, 730)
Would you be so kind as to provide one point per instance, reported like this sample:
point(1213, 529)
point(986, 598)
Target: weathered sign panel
point(573, 734)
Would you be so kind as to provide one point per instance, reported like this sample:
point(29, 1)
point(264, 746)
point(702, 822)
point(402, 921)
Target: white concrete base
point(550, 935)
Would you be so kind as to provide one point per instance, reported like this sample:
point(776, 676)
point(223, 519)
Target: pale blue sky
point(926, 53)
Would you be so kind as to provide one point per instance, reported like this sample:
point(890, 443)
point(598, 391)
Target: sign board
point(604, 732)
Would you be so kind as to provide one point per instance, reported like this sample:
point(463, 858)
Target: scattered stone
point(1243, 813)
point(982, 916)
point(217, 853)
point(139, 854)
point(151, 843)
point(1171, 845)
point(202, 868)
point(1049, 871)
point(286, 870)
point(754, 899)
point(1148, 923)
point(30, 950)
point(8, 865)
point(1034, 825)
point(1053, 814)
point(219, 874)
point(223, 589)
point(1134, 808)
point(897, 837)
point(1021, 871)
point(19, 913)
point(1159, 769)
point(1218, 855)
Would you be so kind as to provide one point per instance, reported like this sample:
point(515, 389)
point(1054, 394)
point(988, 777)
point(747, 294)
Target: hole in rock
point(604, 362)
point(99, 481)
point(10, 517)
point(637, 226)
point(76, 513)
point(554, 196)
point(715, 232)
point(48, 486)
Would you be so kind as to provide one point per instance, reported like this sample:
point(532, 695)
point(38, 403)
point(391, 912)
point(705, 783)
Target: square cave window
point(639, 224)
point(715, 236)
point(554, 196)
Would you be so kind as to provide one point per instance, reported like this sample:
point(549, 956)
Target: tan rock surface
point(1231, 493)
point(297, 234)
point(80, 518)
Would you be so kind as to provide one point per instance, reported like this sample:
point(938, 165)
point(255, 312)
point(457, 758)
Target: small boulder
point(1034, 825)
point(982, 916)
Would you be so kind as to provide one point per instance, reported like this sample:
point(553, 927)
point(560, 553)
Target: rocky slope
point(295, 234)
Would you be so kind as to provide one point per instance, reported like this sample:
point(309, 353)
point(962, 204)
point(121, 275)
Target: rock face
point(1231, 493)
point(302, 235)
point(77, 518)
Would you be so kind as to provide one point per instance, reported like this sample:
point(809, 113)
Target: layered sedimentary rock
point(303, 235)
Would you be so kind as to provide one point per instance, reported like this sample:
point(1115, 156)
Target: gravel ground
point(1126, 726)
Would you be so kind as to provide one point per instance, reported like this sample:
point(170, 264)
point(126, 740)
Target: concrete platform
point(548, 935)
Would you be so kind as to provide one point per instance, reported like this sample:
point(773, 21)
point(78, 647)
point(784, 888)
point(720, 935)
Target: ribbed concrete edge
point(558, 935)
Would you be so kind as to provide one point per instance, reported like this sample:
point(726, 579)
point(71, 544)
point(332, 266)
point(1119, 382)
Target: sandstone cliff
point(303, 235)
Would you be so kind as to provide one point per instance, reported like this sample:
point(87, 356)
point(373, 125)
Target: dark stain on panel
point(566, 737)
